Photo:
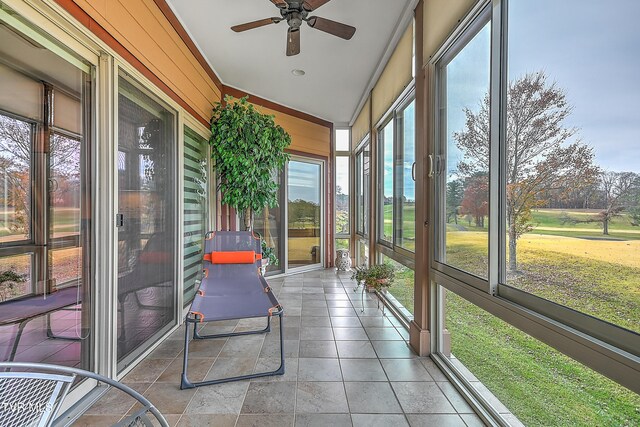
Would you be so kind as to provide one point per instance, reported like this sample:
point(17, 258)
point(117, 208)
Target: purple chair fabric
point(229, 292)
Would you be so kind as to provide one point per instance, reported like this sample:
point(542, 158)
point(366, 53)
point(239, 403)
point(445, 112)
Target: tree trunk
point(248, 219)
point(513, 241)
point(605, 226)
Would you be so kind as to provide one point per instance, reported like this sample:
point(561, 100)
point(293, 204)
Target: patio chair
point(31, 395)
point(232, 288)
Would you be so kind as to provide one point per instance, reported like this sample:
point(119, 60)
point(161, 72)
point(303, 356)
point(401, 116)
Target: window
point(342, 195)
point(463, 79)
point(387, 166)
point(196, 200)
point(573, 187)
point(147, 200)
point(396, 165)
point(405, 188)
point(532, 381)
point(537, 189)
point(397, 200)
point(45, 198)
point(362, 189)
point(342, 139)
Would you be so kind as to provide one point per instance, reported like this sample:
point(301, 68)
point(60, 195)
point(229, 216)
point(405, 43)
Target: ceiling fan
point(295, 12)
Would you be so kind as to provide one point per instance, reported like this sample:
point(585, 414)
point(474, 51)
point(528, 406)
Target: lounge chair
point(232, 288)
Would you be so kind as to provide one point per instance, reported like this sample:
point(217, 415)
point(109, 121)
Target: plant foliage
point(247, 149)
point(377, 276)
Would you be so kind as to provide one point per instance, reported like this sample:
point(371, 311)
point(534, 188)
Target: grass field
point(573, 266)
point(538, 384)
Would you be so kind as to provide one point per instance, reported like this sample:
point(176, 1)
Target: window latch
point(119, 220)
point(413, 171)
point(430, 166)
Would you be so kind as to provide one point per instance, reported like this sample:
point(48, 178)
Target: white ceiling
point(337, 71)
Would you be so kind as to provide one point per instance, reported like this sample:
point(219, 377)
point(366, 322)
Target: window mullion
point(497, 152)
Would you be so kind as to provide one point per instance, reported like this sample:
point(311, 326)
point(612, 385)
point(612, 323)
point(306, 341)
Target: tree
point(616, 187)
point(247, 148)
point(475, 201)
point(540, 158)
point(455, 192)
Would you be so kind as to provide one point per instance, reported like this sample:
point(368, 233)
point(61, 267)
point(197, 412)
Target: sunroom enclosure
point(492, 160)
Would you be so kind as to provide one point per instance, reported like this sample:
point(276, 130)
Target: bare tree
point(540, 158)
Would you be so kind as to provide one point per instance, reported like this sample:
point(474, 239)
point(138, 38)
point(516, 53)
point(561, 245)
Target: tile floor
point(346, 365)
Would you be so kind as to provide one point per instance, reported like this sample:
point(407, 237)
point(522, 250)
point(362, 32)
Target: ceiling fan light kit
point(296, 12)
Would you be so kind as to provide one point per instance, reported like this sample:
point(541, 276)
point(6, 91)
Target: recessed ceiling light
point(298, 73)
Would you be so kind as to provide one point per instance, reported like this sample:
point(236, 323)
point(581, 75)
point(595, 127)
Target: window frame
point(609, 349)
point(360, 184)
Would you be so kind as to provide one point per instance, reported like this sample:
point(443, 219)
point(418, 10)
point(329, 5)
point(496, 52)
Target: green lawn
point(571, 264)
point(538, 384)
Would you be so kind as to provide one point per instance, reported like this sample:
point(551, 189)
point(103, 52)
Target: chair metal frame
point(65, 376)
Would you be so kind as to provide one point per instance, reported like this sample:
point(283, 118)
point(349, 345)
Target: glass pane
point(304, 214)
point(574, 237)
point(366, 186)
point(52, 324)
point(16, 137)
point(402, 288)
point(405, 185)
point(520, 375)
point(64, 186)
point(146, 241)
point(195, 210)
point(360, 205)
point(362, 254)
point(342, 244)
point(269, 225)
point(386, 172)
point(15, 278)
point(342, 140)
point(342, 195)
point(464, 95)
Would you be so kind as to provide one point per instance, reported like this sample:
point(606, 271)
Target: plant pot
point(263, 266)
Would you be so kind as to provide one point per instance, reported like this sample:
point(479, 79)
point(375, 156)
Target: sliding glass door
point(146, 219)
point(305, 212)
point(45, 200)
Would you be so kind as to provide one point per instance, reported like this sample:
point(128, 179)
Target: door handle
point(430, 166)
point(413, 171)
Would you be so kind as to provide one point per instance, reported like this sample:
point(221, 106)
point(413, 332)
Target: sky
point(590, 48)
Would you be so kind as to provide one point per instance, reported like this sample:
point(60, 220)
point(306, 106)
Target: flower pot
point(263, 267)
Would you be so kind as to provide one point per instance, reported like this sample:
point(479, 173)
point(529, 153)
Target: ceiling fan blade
point(255, 24)
point(338, 29)
point(314, 4)
point(280, 3)
point(293, 42)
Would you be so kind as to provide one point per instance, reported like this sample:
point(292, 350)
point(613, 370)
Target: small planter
point(263, 267)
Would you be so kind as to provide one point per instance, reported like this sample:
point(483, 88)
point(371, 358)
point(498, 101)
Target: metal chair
point(31, 395)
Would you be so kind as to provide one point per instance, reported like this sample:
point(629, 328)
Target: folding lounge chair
point(232, 288)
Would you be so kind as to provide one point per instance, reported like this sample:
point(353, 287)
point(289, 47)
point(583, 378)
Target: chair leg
point(185, 383)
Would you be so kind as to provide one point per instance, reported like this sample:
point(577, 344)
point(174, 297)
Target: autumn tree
point(475, 200)
point(540, 156)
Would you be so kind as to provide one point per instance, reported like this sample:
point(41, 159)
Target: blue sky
point(591, 49)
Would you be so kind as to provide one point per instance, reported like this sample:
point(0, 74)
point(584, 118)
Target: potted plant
point(247, 149)
point(376, 278)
